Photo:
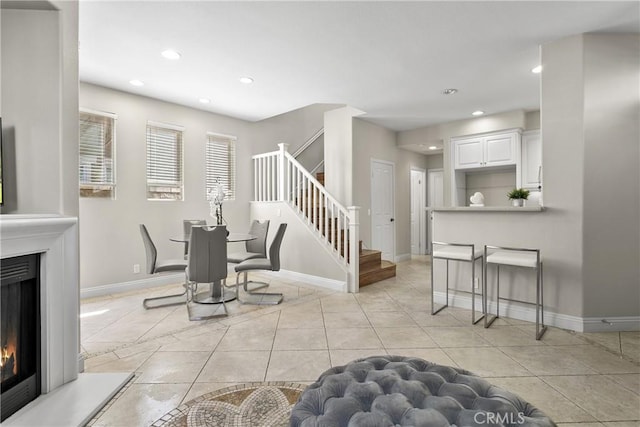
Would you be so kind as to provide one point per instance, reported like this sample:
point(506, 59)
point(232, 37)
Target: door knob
point(391, 219)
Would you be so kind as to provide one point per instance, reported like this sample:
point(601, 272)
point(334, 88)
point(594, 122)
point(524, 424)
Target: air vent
point(18, 269)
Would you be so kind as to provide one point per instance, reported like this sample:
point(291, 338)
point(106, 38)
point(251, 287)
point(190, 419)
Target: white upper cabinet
point(495, 149)
point(469, 153)
point(531, 160)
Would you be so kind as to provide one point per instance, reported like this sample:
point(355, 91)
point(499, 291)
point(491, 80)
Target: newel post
point(282, 171)
point(354, 252)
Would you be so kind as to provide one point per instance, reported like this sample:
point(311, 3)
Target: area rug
point(243, 405)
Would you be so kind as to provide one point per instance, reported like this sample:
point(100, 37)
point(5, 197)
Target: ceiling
point(390, 59)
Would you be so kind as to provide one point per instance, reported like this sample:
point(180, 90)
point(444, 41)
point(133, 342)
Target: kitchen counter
point(490, 209)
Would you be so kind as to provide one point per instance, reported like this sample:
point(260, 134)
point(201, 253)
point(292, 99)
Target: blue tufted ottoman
point(383, 391)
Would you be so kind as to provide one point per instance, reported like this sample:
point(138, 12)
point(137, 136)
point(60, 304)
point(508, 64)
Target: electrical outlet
point(136, 268)
point(476, 283)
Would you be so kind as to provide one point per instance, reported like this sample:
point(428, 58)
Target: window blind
point(96, 153)
point(164, 162)
point(221, 163)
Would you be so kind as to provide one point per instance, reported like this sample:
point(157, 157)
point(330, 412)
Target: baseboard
point(609, 324)
point(149, 282)
point(403, 257)
point(170, 279)
point(321, 282)
point(559, 320)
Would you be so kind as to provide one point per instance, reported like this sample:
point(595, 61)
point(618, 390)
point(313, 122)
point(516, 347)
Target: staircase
point(372, 267)
point(279, 177)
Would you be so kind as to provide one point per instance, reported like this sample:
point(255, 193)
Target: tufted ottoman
point(383, 391)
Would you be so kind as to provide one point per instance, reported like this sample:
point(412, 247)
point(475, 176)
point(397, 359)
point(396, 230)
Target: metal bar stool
point(515, 257)
point(457, 252)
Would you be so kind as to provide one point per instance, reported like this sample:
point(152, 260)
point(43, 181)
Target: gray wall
point(293, 128)
point(435, 161)
point(611, 181)
point(371, 141)
point(40, 109)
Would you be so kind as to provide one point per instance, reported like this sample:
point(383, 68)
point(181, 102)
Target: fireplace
point(72, 397)
point(19, 332)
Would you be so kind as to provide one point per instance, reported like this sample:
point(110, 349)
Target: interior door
point(418, 214)
point(383, 234)
point(435, 197)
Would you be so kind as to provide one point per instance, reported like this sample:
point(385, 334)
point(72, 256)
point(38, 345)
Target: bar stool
point(515, 257)
point(457, 252)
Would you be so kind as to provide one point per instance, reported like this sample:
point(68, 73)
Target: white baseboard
point(621, 324)
point(133, 285)
point(321, 282)
point(559, 320)
point(403, 257)
point(169, 279)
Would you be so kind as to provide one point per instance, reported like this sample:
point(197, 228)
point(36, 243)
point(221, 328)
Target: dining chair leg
point(146, 301)
point(257, 298)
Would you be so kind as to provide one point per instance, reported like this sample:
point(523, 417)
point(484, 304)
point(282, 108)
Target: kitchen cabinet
point(531, 167)
point(488, 150)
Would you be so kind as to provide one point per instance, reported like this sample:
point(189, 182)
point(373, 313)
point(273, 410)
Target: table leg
point(214, 294)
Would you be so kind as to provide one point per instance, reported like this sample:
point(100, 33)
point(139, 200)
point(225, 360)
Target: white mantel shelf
point(490, 209)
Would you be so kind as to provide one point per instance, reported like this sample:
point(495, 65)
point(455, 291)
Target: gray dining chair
point(154, 266)
point(255, 264)
point(187, 224)
point(256, 248)
point(207, 263)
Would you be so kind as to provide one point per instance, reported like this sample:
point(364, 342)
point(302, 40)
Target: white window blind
point(164, 162)
point(221, 163)
point(96, 168)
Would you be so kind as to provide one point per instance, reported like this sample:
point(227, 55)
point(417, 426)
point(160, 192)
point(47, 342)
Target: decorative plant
point(518, 193)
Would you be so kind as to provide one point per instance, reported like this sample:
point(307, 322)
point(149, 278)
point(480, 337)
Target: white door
point(435, 197)
point(418, 214)
point(383, 234)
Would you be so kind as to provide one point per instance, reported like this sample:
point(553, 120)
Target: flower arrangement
point(215, 196)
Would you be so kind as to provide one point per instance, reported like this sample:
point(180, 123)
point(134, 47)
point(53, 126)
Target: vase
point(518, 203)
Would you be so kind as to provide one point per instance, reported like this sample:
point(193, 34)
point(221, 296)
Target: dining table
point(215, 295)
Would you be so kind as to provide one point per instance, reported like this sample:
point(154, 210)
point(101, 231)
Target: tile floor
point(580, 380)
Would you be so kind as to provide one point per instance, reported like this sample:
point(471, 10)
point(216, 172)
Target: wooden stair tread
point(385, 270)
point(383, 264)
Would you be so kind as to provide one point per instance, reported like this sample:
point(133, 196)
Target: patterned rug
point(245, 405)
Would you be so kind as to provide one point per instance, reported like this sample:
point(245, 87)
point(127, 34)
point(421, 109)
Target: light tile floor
point(580, 380)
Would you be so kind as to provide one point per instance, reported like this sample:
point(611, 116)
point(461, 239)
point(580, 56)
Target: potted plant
point(518, 196)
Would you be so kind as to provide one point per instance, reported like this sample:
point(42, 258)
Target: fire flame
point(5, 356)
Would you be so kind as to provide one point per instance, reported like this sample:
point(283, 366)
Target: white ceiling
point(389, 59)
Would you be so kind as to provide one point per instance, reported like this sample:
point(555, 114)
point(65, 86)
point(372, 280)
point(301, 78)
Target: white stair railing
point(278, 176)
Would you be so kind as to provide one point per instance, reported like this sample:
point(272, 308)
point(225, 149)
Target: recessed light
point(477, 113)
point(433, 147)
point(136, 82)
point(171, 54)
point(537, 70)
point(204, 100)
point(450, 91)
point(246, 80)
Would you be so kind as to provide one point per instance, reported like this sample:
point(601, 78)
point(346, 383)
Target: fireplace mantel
point(55, 237)
point(68, 398)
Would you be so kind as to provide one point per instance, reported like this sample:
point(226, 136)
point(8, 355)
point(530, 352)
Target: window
point(96, 169)
point(164, 162)
point(221, 163)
